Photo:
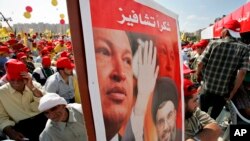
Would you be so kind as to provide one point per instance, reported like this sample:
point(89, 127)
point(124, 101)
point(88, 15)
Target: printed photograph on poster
point(136, 71)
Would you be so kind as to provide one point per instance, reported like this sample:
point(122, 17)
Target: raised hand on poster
point(147, 74)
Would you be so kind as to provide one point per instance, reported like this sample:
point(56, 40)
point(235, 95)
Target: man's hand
point(27, 79)
point(13, 134)
point(147, 75)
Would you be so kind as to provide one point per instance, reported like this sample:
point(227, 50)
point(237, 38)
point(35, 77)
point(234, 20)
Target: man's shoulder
point(4, 87)
point(54, 77)
point(37, 70)
point(76, 106)
point(5, 90)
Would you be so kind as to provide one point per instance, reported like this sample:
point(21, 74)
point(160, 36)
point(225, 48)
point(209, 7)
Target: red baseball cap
point(13, 69)
point(64, 62)
point(233, 27)
point(46, 61)
point(65, 54)
point(4, 49)
point(26, 49)
point(44, 52)
point(187, 70)
point(202, 43)
point(189, 88)
point(21, 55)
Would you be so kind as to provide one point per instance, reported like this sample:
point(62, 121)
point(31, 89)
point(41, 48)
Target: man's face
point(68, 72)
point(165, 57)
point(166, 122)
point(191, 106)
point(57, 113)
point(17, 84)
point(113, 60)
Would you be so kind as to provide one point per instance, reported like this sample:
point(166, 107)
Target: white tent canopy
point(207, 33)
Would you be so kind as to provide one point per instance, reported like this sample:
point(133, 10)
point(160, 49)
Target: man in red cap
point(42, 73)
point(23, 57)
point(187, 72)
point(199, 126)
point(223, 65)
point(19, 100)
point(61, 82)
point(199, 48)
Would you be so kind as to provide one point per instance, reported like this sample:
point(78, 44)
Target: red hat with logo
point(233, 27)
point(190, 88)
point(21, 55)
point(64, 62)
point(14, 68)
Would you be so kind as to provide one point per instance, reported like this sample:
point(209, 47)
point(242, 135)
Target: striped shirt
point(221, 60)
point(195, 124)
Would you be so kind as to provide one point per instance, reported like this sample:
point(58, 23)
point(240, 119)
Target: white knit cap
point(50, 100)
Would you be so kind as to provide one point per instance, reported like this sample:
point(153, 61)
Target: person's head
point(4, 51)
point(14, 68)
point(165, 56)
point(231, 28)
point(191, 97)
point(187, 72)
point(54, 107)
point(200, 47)
point(64, 66)
point(22, 56)
point(164, 105)
point(61, 42)
point(46, 62)
point(114, 69)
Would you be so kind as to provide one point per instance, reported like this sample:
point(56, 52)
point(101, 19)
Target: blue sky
point(193, 14)
point(197, 14)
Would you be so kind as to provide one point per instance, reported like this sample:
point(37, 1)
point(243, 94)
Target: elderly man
point(65, 122)
point(199, 126)
point(19, 99)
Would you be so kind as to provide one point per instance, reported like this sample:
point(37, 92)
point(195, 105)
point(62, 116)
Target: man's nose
point(118, 73)
point(50, 115)
point(166, 125)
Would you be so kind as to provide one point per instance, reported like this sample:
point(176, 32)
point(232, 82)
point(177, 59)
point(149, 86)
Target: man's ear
point(224, 33)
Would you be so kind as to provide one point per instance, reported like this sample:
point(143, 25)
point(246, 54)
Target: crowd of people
point(38, 82)
point(219, 69)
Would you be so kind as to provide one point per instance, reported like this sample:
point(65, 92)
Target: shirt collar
point(62, 125)
point(12, 90)
point(59, 77)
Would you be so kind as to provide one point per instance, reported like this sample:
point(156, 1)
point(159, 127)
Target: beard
point(173, 134)
point(188, 114)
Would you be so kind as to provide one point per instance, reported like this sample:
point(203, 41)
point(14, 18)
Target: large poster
point(133, 64)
